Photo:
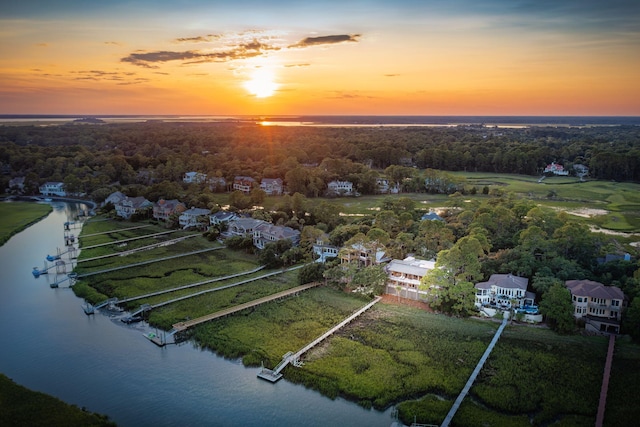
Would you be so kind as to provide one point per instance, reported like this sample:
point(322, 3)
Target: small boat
point(131, 319)
point(52, 258)
point(37, 272)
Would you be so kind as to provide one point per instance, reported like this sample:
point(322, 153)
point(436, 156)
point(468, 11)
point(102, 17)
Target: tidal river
point(50, 345)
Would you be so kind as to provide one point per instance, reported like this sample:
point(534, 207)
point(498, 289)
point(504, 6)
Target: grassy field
point(16, 216)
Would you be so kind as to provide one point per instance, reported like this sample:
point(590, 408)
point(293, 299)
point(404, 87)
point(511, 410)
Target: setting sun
point(262, 84)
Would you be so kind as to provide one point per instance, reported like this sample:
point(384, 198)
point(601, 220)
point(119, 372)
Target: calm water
point(50, 345)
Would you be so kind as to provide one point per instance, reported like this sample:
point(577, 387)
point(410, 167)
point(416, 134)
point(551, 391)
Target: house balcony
point(608, 307)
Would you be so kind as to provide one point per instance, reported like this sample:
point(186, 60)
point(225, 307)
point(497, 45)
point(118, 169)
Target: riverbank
point(20, 406)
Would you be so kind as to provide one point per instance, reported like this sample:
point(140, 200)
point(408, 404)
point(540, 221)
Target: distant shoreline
point(337, 120)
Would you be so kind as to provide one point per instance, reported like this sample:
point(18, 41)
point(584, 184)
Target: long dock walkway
point(141, 263)
point(181, 326)
point(474, 374)
point(294, 358)
point(144, 248)
point(130, 239)
point(193, 285)
point(605, 382)
point(206, 291)
point(113, 231)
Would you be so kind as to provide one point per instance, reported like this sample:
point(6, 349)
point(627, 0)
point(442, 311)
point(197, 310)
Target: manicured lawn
point(16, 216)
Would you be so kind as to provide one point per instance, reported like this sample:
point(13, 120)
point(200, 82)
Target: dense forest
point(89, 158)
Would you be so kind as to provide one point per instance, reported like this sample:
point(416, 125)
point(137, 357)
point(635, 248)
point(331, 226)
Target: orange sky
point(459, 57)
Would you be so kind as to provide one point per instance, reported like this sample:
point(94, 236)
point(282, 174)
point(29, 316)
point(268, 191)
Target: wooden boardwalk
point(144, 248)
point(151, 261)
point(130, 239)
point(294, 358)
point(181, 326)
point(605, 382)
point(113, 231)
point(474, 374)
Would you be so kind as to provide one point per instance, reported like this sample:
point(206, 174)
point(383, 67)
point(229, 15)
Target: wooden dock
point(181, 326)
point(274, 374)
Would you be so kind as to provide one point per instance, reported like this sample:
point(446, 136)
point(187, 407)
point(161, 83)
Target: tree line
point(90, 157)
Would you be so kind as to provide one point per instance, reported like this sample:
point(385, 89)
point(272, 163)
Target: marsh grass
point(263, 334)
point(623, 400)
point(16, 216)
point(391, 353)
point(20, 406)
point(164, 317)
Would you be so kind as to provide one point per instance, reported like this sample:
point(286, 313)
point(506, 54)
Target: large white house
point(53, 189)
point(340, 188)
point(405, 276)
point(599, 305)
point(504, 291)
point(323, 251)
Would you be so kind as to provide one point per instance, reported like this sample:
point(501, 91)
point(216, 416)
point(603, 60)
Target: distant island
point(92, 120)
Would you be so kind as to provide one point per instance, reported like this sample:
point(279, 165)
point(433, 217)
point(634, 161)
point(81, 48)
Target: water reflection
point(97, 362)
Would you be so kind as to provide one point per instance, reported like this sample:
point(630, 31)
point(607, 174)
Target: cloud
point(198, 39)
point(391, 75)
point(112, 43)
point(347, 95)
point(240, 51)
point(306, 64)
point(321, 40)
point(120, 77)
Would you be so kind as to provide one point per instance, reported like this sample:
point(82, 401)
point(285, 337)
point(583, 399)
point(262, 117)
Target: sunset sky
point(395, 57)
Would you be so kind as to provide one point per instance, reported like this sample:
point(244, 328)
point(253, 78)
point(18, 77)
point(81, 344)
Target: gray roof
point(592, 289)
point(507, 281)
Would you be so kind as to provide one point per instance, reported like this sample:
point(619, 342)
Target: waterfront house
point(243, 226)
point(193, 217)
point(363, 255)
point(114, 198)
point(504, 291)
point(165, 208)
point(600, 306)
point(323, 251)
point(132, 205)
point(222, 217)
point(266, 233)
point(53, 189)
point(405, 277)
point(340, 188)
point(272, 186)
point(243, 183)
